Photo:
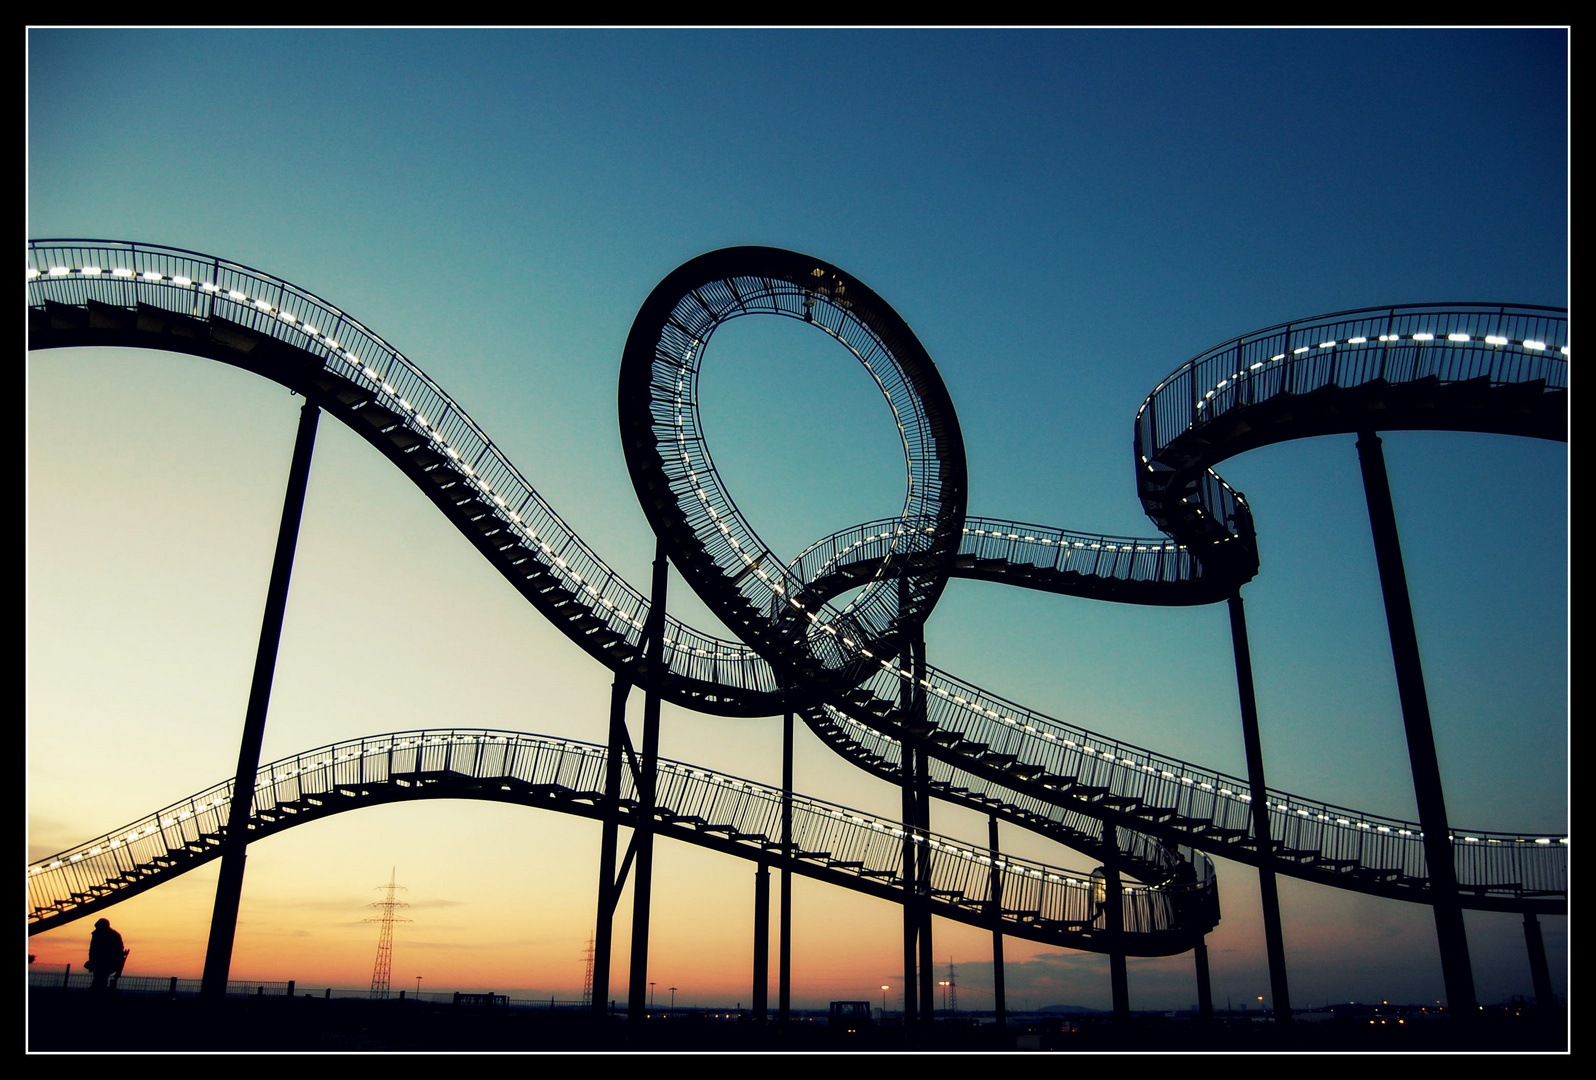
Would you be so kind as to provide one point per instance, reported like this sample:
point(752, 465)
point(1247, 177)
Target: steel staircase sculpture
point(1471, 367)
point(834, 844)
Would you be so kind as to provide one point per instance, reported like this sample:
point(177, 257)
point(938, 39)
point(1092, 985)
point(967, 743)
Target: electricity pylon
point(381, 970)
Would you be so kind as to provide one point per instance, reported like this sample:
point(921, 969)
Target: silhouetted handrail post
point(235, 840)
point(1456, 969)
point(1268, 893)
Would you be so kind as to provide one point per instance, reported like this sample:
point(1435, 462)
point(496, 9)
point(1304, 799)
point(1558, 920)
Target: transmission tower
point(587, 981)
point(953, 989)
point(384, 966)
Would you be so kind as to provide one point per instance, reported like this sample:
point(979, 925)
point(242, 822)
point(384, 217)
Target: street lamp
point(884, 989)
point(418, 987)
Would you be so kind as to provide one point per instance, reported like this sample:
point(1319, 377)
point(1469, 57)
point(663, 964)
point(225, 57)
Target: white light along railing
point(846, 840)
point(122, 274)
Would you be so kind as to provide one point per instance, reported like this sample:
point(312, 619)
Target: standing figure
point(106, 955)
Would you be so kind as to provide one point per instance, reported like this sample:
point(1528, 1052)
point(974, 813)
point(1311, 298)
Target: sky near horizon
point(1063, 217)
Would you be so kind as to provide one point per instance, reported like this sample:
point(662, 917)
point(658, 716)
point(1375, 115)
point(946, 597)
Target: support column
point(784, 946)
point(643, 824)
point(609, 890)
point(1274, 941)
point(235, 840)
point(761, 941)
point(1114, 921)
point(1546, 998)
point(911, 921)
point(928, 997)
point(1456, 969)
point(1205, 995)
point(922, 798)
point(999, 1001)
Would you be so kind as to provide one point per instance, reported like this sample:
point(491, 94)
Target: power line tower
point(381, 970)
point(953, 989)
point(587, 980)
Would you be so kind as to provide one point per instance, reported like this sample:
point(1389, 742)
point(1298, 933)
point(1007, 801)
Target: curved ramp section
point(742, 581)
point(990, 752)
point(1122, 569)
point(106, 293)
point(832, 843)
point(1495, 368)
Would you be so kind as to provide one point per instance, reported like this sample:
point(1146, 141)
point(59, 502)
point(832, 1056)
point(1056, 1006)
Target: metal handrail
point(843, 840)
point(76, 272)
point(1500, 344)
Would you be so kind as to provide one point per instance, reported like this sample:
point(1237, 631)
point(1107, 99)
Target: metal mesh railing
point(1452, 343)
point(1497, 344)
point(841, 840)
point(76, 272)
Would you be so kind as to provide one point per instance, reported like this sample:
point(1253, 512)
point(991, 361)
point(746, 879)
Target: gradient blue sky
point(1063, 217)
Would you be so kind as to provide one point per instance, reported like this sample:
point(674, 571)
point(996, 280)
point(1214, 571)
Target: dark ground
point(74, 1021)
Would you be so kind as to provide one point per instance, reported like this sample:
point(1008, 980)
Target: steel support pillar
point(1540, 976)
point(999, 1001)
point(784, 944)
point(928, 997)
point(235, 840)
point(1205, 994)
point(911, 920)
point(1114, 922)
point(643, 823)
point(761, 942)
point(609, 890)
point(1456, 969)
point(922, 793)
point(1268, 893)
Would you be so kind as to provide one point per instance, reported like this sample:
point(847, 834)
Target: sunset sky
point(1063, 218)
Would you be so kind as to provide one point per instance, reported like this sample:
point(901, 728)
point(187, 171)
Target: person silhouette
point(106, 955)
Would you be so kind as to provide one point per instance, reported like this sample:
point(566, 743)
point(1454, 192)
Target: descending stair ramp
point(834, 844)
